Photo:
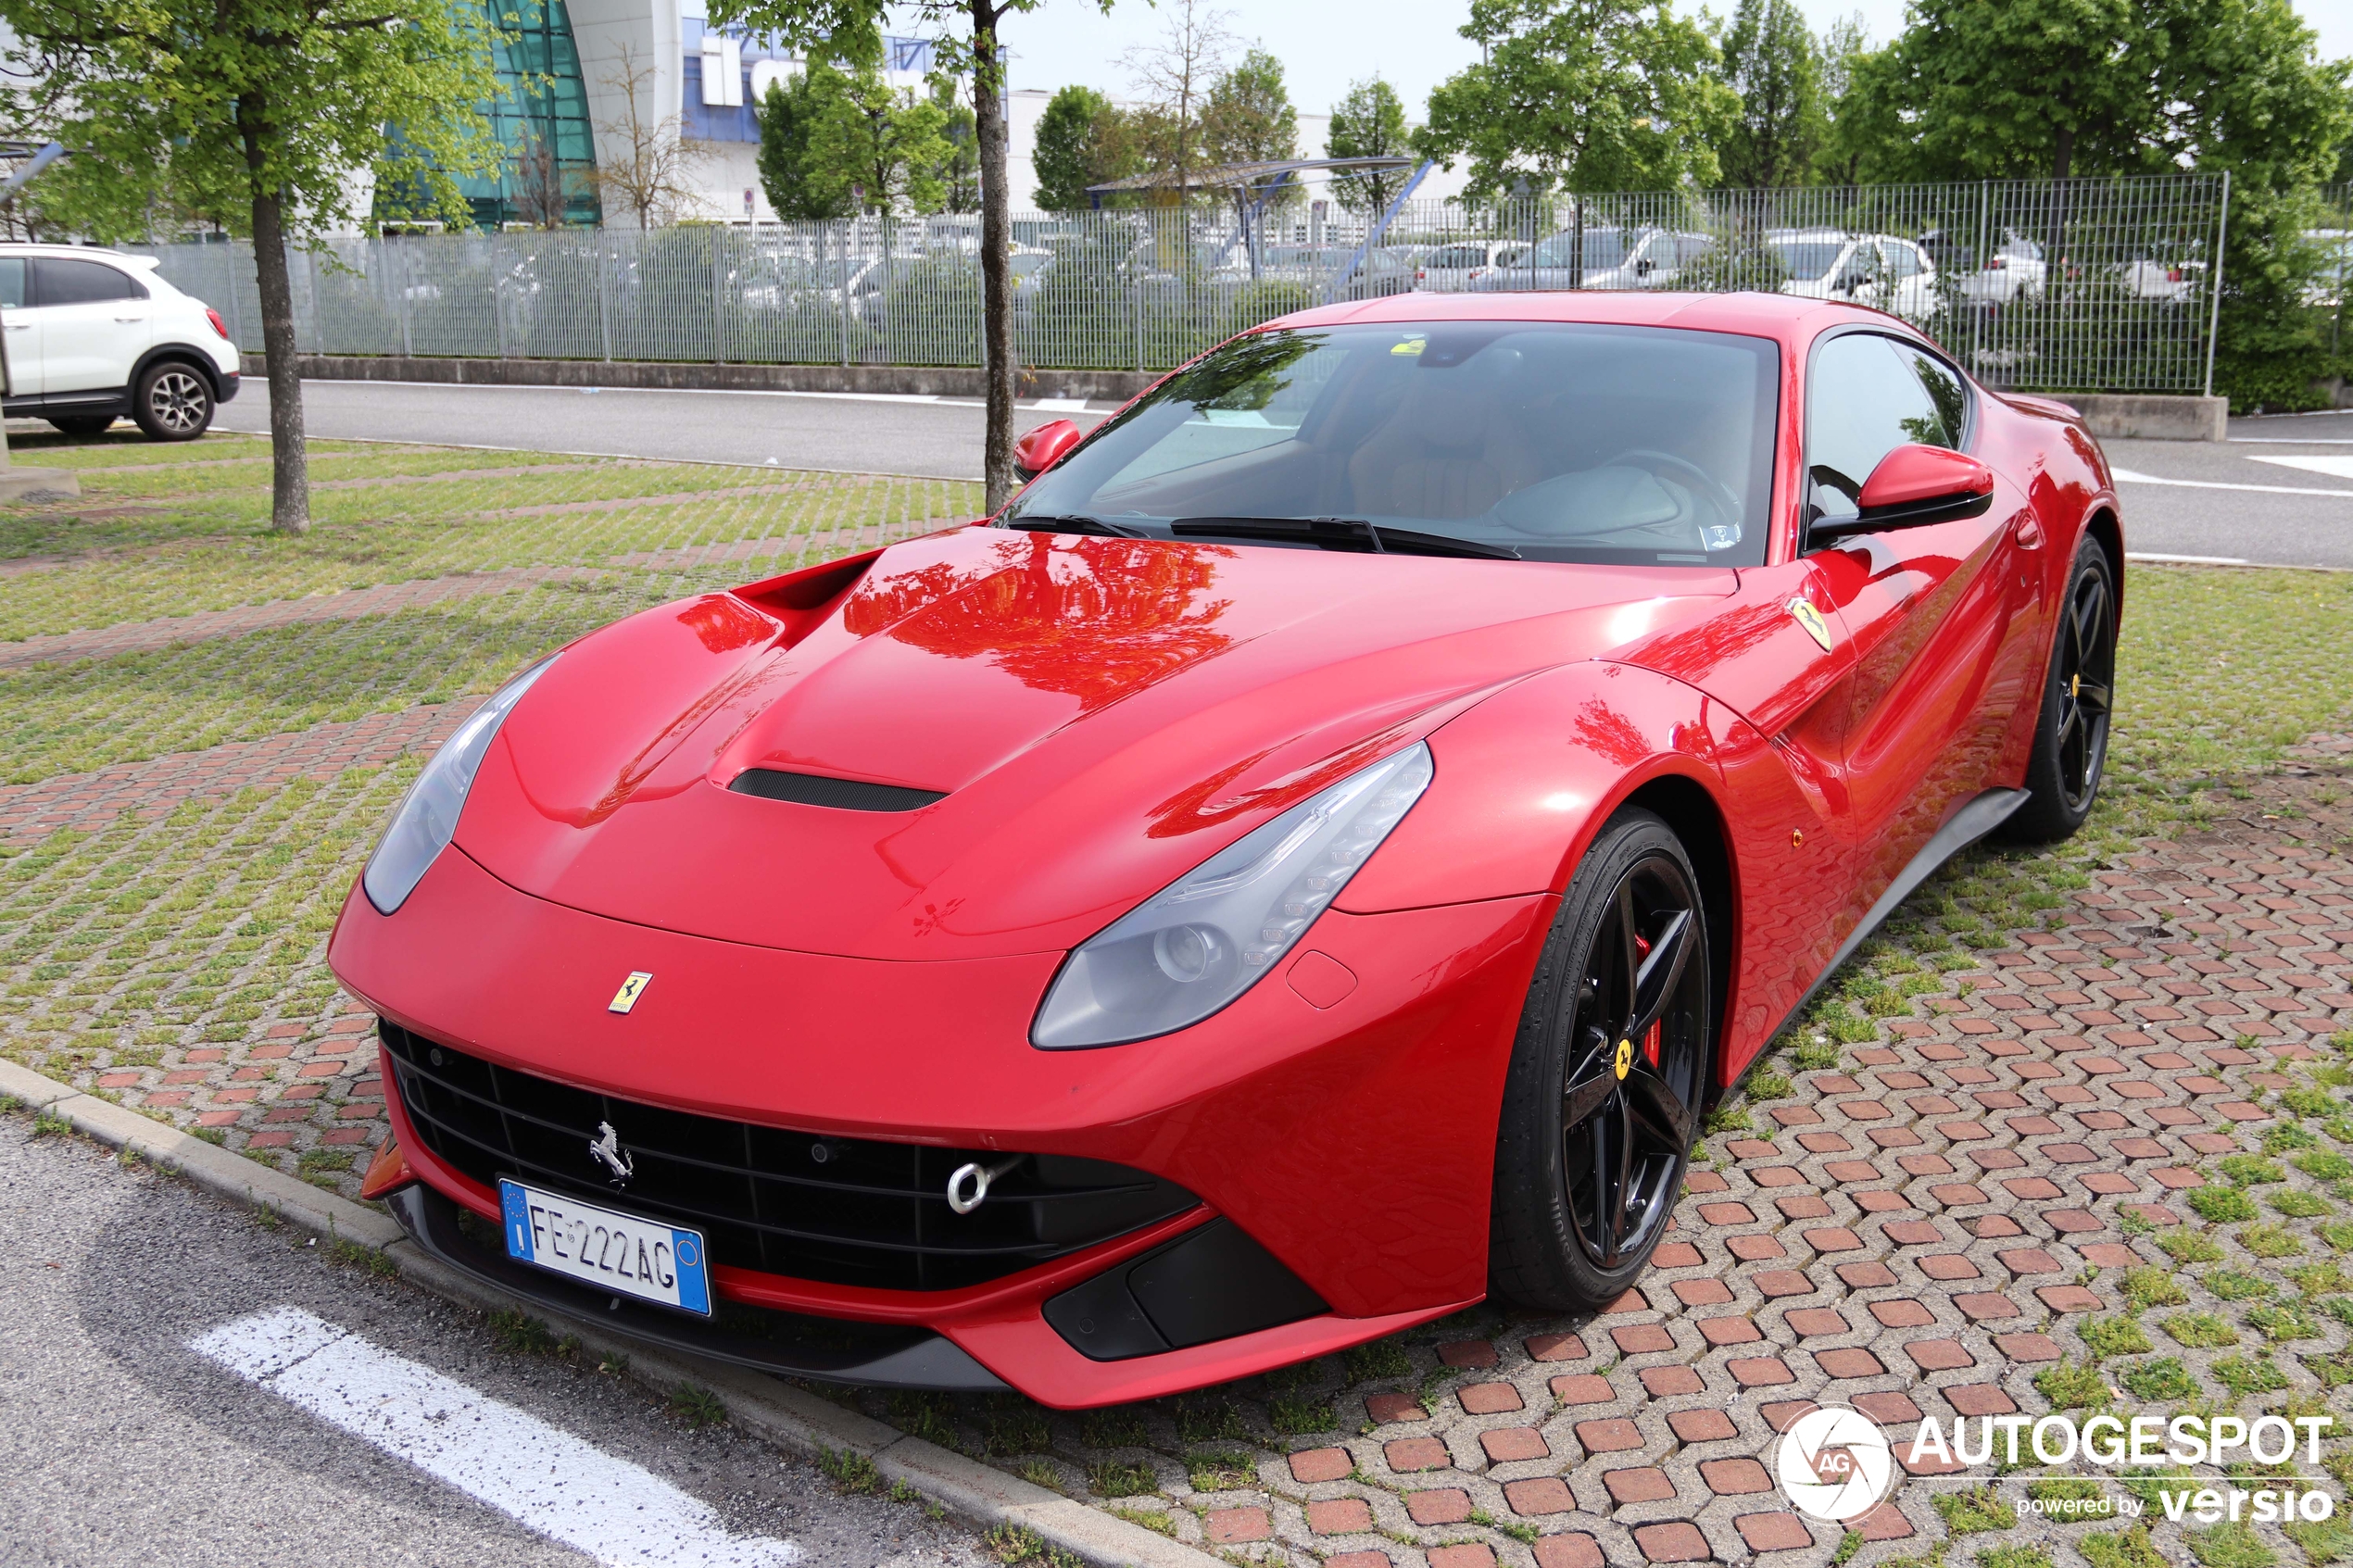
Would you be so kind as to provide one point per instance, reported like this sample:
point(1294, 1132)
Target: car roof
point(1783, 316)
point(13, 247)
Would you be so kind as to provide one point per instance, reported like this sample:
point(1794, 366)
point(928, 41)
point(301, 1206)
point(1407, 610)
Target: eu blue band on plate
point(516, 1210)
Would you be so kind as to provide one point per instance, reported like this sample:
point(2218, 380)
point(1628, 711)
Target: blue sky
point(1325, 44)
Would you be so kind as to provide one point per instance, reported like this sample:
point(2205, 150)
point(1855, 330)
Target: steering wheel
point(1726, 509)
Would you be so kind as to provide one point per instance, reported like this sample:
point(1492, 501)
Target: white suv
point(92, 335)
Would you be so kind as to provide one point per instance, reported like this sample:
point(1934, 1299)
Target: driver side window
point(1863, 400)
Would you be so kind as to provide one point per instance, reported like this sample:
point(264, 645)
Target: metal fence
point(2073, 285)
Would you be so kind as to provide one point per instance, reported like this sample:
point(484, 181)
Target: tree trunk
point(2064, 151)
point(289, 464)
point(996, 265)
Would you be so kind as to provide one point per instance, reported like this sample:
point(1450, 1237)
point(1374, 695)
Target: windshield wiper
point(1339, 533)
point(1037, 523)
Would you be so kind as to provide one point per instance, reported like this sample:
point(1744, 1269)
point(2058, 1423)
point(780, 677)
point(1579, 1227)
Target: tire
point(83, 426)
point(173, 403)
point(1598, 1120)
point(2079, 698)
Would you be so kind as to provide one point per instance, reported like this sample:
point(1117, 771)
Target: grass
point(697, 1407)
point(1973, 1512)
point(2122, 1549)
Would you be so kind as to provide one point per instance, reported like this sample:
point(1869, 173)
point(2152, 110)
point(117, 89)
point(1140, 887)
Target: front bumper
point(776, 1342)
point(1353, 1141)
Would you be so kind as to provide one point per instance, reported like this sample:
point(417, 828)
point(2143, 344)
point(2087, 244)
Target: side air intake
point(842, 795)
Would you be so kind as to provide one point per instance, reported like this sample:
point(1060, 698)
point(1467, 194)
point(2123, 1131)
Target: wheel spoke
point(1661, 972)
point(1587, 1093)
point(1622, 1179)
point(2091, 696)
point(1630, 956)
point(1607, 1192)
point(1653, 1100)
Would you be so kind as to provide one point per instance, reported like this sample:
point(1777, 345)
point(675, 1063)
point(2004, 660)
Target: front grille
point(841, 1210)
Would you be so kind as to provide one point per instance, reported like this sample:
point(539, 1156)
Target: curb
point(792, 1419)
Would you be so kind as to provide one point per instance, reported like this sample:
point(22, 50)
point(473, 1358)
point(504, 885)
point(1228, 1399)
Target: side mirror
point(1043, 447)
point(1643, 268)
point(1913, 486)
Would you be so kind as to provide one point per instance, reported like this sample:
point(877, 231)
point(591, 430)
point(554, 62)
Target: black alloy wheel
point(2086, 686)
point(1609, 1077)
point(2078, 700)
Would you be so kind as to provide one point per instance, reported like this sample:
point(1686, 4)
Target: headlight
point(1199, 944)
point(428, 813)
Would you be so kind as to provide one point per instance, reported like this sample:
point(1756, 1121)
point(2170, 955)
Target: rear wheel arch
point(2102, 526)
point(194, 359)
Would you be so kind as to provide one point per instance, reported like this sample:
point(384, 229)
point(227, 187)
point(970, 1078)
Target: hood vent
point(842, 795)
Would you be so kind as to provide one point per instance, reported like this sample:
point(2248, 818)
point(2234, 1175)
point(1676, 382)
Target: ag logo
point(1835, 1463)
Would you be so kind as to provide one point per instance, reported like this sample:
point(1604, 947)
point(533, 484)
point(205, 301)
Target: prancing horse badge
point(1805, 615)
point(631, 989)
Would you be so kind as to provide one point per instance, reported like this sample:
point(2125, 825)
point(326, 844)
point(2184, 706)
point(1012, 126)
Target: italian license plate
point(617, 1252)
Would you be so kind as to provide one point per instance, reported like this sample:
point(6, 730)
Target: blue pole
point(1373, 235)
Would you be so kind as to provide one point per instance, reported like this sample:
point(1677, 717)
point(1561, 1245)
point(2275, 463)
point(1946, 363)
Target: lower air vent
point(809, 1206)
point(842, 795)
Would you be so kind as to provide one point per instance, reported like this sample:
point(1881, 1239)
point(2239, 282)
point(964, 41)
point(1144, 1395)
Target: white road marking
point(2330, 464)
point(2292, 441)
point(2187, 561)
point(543, 1477)
point(2126, 476)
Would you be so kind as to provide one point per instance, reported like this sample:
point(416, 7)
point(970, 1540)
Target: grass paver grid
point(2072, 1132)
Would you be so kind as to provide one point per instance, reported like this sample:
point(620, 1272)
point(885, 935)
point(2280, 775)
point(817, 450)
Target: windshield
point(1553, 442)
point(1808, 260)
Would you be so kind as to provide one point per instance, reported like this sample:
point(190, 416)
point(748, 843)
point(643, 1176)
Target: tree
point(1174, 75)
point(789, 115)
point(543, 187)
point(1772, 61)
point(1248, 117)
point(1581, 94)
point(1072, 142)
point(868, 136)
point(258, 111)
point(958, 169)
point(643, 162)
point(974, 49)
point(1998, 90)
point(1369, 122)
point(1864, 128)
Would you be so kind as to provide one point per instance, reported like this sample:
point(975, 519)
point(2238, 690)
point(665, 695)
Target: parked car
point(1311, 862)
point(2170, 282)
point(1599, 259)
point(1452, 269)
point(1879, 270)
point(93, 335)
point(1383, 271)
point(2015, 271)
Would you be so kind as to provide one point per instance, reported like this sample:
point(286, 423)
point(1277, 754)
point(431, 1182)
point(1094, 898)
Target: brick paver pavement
point(1921, 1231)
point(87, 801)
point(355, 604)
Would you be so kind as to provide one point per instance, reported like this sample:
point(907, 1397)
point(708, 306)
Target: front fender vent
point(842, 795)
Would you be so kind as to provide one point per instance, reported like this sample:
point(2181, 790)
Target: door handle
point(21, 326)
point(130, 319)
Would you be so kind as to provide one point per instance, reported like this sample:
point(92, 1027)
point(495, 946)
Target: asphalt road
point(122, 1443)
point(2280, 492)
point(860, 434)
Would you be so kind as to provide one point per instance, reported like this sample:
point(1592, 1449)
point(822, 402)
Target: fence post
point(2214, 281)
point(718, 294)
point(399, 270)
point(1135, 292)
point(1977, 315)
point(604, 297)
point(318, 342)
point(846, 271)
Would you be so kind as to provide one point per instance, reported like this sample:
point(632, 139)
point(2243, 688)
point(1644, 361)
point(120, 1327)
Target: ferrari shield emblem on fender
point(1805, 615)
point(1625, 1062)
point(631, 989)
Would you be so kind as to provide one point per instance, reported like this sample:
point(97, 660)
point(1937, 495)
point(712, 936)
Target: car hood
point(1098, 716)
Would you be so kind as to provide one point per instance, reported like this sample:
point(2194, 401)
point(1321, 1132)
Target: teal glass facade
point(540, 118)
